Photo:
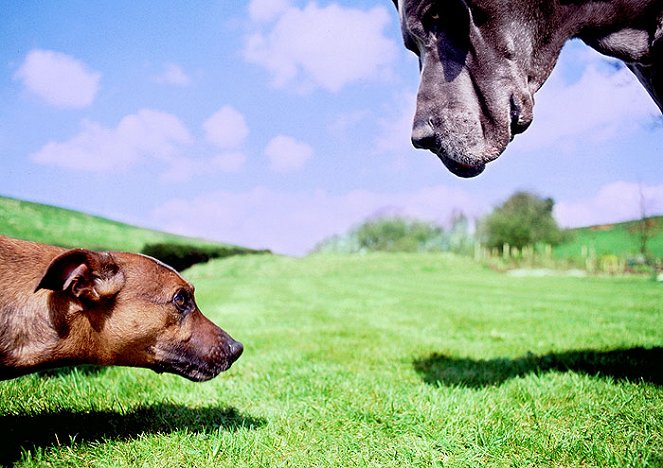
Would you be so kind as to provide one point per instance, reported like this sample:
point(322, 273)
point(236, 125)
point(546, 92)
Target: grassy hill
point(612, 239)
point(68, 228)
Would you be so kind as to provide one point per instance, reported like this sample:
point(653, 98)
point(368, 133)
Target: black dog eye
point(452, 21)
point(181, 300)
point(431, 19)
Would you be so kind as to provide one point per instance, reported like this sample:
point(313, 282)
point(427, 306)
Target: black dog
point(482, 61)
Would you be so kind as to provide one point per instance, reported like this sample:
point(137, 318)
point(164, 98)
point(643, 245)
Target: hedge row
point(183, 256)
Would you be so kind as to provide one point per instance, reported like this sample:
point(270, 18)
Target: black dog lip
point(462, 170)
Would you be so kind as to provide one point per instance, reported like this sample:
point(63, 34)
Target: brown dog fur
point(65, 307)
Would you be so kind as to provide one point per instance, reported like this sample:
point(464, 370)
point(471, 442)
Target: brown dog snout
point(198, 349)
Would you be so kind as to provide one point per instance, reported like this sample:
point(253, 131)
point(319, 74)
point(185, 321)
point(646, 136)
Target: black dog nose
point(423, 136)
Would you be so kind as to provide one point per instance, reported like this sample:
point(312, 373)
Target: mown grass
point(67, 228)
point(376, 360)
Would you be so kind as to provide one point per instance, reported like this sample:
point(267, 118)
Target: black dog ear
point(84, 274)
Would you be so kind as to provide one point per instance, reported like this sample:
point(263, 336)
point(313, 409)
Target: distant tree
point(388, 234)
point(523, 219)
point(646, 227)
point(399, 235)
point(460, 239)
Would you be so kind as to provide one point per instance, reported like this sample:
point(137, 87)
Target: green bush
point(183, 256)
point(398, 234)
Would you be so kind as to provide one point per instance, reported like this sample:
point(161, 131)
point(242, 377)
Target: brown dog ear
point(84, 274)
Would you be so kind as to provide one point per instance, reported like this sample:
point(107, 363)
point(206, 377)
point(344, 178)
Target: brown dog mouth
point(196, 372)
point(194, 368)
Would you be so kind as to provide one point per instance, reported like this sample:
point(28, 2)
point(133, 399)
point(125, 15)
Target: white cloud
point(346, 121)
point(150, 135)
point(396, 126)
point(137, 137)
point(607, 102)
point(228, 162)
point(292, 223)
point(184, 169)
point(287, 154)
point(267, 10)
point(59, 79)
point(173, 75)
point(327, 47)
point(226, 128)
point(614, 202)
point(180, 170)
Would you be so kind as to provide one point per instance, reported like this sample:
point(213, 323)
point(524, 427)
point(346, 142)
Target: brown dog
point(63, 307)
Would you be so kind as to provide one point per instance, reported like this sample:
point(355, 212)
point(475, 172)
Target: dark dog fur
point(65, 307)
point(482, 61)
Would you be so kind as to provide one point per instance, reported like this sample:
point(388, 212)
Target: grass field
point(619, 239)
point(376, 360)
point(67, 228)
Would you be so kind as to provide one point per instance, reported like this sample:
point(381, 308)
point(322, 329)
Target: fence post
point(506, 250)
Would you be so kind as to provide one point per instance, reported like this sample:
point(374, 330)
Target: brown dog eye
point(181, 300)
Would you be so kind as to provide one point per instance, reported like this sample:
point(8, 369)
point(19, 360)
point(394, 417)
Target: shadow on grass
point(64, 371)
point(27, 432)
point(634, 365)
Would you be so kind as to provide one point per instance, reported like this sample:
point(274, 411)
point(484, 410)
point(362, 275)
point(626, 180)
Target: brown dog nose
point(235, 350)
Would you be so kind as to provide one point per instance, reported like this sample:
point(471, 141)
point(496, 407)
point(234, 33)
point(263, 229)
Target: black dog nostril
point(514, 115)
point(423, 137)
point(519, 120)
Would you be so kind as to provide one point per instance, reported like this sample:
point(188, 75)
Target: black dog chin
point(199, 376)
point(194, 371)
point(462, 170)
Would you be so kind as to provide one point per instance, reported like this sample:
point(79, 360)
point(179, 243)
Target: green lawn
point(376, 360)
point(53, 225)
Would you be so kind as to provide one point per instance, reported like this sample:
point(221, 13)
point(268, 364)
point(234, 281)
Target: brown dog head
point(129, 309)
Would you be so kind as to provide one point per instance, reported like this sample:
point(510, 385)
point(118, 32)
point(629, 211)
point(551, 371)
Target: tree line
point(522, 222)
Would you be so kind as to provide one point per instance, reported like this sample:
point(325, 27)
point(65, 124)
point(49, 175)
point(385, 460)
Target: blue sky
point(276, 123)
